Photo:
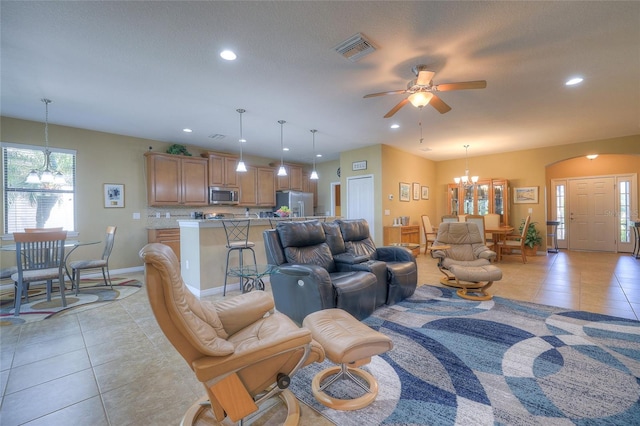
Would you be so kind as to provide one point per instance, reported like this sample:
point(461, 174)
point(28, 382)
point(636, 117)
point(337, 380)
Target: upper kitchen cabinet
point(293, 179)
point(257, 187)
point(174, 180)
point(222, 169)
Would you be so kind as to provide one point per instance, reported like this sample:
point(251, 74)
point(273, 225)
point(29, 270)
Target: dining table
point(498, 235)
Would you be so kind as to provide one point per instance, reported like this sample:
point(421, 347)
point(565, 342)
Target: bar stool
point(237, 240)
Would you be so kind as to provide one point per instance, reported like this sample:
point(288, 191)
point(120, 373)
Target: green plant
point(532, 237)
point(178, 149)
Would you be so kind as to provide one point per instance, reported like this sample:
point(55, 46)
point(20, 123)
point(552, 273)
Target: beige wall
point(108, 158)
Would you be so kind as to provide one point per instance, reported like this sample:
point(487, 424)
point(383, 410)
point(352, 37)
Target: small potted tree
point(532, 239)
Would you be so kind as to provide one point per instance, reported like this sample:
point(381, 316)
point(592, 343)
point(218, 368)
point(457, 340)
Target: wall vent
point(355, 48)
point(217, 137)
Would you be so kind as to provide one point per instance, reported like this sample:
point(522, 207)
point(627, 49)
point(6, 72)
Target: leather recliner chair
point(307, 280)
point(240, 349)
point(402, 270)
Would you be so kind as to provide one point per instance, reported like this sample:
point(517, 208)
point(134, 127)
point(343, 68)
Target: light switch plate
point(136, 216)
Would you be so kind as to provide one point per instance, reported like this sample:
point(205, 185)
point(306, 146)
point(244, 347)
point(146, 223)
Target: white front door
point(360, 201)
point(592, 218)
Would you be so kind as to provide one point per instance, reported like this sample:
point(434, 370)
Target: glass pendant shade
point(282, 171)
point(33, 177)
point(420, 99)
point(241, 167)
point(314, 175)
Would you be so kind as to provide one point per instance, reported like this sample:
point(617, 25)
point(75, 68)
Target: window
point(560, 208)
point(626, 223)
point(37, 205)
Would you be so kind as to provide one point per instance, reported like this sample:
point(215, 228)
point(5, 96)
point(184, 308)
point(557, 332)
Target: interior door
point(360, 202)
point(591, 214)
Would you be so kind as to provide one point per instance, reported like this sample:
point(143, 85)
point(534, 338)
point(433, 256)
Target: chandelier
point(282, 171)
point(314, 174)
point(465, 180)
point(241, 166)
point(48, 175)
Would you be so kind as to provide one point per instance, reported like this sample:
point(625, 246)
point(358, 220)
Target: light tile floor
point(113, 366)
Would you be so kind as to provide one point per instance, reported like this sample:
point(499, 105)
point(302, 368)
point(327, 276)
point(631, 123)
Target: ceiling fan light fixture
point(420, 99)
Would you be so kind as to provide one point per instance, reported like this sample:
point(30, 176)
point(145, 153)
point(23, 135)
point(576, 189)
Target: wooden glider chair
point(464, 260)
point(240, 349)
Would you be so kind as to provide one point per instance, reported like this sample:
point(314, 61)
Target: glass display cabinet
point(486, 196)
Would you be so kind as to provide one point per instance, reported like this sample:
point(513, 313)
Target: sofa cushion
point(301, 234)
point(334, 237)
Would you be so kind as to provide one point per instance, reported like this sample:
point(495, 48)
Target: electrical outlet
point(530, 210)
point(136, 216)
point(167, 215)
point(387, 212)
point(158, 215)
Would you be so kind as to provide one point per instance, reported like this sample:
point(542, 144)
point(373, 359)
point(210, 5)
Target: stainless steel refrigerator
point(300, 203)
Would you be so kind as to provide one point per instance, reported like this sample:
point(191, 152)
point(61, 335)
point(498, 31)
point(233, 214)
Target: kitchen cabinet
point(293, 179)
point(401, 234)
point(257, 187)
point(222, 169)
point(486, 196)
point(167, 236)
point(176, 180)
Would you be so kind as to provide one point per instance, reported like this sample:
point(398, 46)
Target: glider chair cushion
point(464, 259)
point(240, 349)
point(306, 278)
point(402, 271)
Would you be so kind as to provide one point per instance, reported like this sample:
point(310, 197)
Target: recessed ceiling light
point(187, 130)
point(318, 155)
point(285, 149)
point(573, 81)
point(228, 55)
point(395, 126)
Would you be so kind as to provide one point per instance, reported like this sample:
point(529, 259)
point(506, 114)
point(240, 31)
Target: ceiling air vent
point(355, 48)
point(217, 137)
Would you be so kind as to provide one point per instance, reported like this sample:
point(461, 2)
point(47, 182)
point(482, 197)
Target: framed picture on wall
point(425, 193)
point(405, 191)
point(416, 191)
point(525, 195)
point(113, 195)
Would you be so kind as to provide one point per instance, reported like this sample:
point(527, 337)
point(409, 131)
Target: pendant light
point(241, 166)
point(47, 176)
point(314, 174)
point(282, 171)
point(464, 180)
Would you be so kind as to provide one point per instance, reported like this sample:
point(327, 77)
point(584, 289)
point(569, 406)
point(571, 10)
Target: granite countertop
point(217, 223)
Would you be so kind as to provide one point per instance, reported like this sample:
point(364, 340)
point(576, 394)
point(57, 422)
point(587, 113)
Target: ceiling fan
point(421, 91)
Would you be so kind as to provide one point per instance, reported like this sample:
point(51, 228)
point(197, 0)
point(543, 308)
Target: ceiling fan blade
point(392, 92)
point(439, 104)
point(446, 87)
point(397, 107)
point(424, 77)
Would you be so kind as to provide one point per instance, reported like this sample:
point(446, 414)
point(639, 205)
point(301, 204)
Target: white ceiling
point(150, 69)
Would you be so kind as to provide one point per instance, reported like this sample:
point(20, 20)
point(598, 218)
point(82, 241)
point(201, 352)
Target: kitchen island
point(203, 253)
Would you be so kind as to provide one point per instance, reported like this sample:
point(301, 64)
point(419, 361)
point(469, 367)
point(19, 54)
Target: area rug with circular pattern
point(497, 362)
point(93, 293)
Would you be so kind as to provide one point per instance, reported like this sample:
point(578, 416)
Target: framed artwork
point(416, 191)
point(425, 193)
point(525, 195)
point(405, 191)
point(113, 195)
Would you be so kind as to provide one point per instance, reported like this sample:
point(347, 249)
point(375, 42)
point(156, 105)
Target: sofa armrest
point(394, 254)
point(349, 259)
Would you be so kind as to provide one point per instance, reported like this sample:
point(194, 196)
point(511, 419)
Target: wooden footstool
point(470, 280)
point(351, 344)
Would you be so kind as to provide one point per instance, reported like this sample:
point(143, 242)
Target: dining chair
point(429, 232)
point(479, 220)
point(450, 218)
point(59, 228)
point(491, 221)
point(102, 263)
point(39, 257)
point(237, 232)
point(511, 242)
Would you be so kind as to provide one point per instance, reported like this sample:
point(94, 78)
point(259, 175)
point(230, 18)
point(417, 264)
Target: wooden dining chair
point(102, 263)
point(429, 232)
point(31, 230)
point(39, 257)
point(478, 219)
point(450, 218)
point(511, 242)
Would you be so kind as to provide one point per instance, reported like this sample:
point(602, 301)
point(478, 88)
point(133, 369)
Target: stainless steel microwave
point(219, 195)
